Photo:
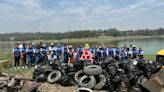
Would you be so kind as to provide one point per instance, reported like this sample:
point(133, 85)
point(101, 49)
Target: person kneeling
point(52, 57)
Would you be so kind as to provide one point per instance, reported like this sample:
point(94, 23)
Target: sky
point(71, 15)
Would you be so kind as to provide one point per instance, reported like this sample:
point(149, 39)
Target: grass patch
point(150, 57)
point(28, 72)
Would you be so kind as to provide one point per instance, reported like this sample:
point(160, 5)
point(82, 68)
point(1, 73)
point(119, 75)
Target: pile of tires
point(91, 76)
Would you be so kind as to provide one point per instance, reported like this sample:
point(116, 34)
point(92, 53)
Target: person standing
point(87, 55)
point(23, 56)
point(16, 55)
point(37, 55)
point(30, 55)
point(59, 50)
point(44, 51)
point(123, 55)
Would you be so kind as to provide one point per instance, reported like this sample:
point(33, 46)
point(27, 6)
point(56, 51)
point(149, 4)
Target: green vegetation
point(79, 34)
point(150, 57)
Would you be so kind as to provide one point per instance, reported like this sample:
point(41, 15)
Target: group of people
point(36, 54)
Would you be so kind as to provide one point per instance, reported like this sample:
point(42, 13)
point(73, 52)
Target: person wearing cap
point(134, 52)
point(140, 53)
point(16, 54)
point(52, 57)
point(52, 48)
point(87, 55)
point(70, 51)
point(23, 56)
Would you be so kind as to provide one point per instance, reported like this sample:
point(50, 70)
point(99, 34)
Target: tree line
point(78, 34)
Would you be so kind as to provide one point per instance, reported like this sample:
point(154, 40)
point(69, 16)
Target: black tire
point(84, 90)
point(78, 75)
point(101, 83)
point(51, 78)
point(93, 70)
point(87, 81)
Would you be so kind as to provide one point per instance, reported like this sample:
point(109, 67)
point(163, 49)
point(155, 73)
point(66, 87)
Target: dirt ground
point(46, 87)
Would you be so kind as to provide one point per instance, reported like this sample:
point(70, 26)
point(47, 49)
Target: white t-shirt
point(50, 57)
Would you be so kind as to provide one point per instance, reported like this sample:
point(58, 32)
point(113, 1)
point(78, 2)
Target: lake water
point(150, 46)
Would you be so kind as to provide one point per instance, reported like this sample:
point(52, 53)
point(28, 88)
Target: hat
point(134, 46)
point(87, 46)
point(44, 45)
point(52, 43)
point(52, 52)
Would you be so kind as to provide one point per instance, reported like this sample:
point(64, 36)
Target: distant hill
point(78, 34)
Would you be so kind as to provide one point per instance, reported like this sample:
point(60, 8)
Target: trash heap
point(133, 76)
point(17, 84)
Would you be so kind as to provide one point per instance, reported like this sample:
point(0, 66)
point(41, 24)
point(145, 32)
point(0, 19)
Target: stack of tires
point(91, 76)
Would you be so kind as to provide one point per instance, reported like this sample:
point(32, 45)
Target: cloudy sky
point(69, 15)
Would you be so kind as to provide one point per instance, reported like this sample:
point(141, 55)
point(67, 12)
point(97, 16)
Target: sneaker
point(18, 67)
point(25, 66)
point(15, 68)
point(36, 66)
point(22, 67)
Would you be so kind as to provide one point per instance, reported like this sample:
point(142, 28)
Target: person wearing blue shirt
point(44, 51)
point(52, 57)
point(16, 55)
point(30, 55)
point(37, 55)
point(117, 53)
point(80, 50)
point(99, 54)
point(23, 56)
point(123, 55)
point(93, 50)
point(134, 53)
point(140, 53)
point(59, 50)
point(103, 52)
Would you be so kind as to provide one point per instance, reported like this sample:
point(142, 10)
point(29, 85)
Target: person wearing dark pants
point(37, 54)
point(30, 55)
point(23, 56)
point(16, 55)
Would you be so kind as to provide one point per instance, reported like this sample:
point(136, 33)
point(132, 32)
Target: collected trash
point(120, 77)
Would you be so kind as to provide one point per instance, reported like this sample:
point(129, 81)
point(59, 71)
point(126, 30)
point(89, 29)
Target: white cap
point(44, 45)
point(134, 46)
point(52, 43)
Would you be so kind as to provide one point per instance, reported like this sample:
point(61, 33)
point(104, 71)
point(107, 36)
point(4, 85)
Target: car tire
point(54, 76)
point(87, 81)
point(101, 83)
point(78, 75)
point(84, 90)
point(93, 70)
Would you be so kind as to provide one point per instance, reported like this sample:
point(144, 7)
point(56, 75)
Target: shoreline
point(93, 39)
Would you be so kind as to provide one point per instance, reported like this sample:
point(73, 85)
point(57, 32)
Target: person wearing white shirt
point(52, 57)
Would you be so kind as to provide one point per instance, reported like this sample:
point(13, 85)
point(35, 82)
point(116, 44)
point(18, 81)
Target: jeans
point(30, 60)
point(37, 59)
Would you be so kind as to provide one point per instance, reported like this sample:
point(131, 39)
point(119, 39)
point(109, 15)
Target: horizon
point(70, 15)
point(81, 30)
